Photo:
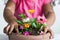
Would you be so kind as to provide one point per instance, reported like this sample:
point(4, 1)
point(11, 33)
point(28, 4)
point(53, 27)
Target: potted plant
point(30, 28)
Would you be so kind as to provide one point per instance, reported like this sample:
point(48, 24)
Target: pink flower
point(21, 27)
point(41, 19)
point(41, 33)
point(26, 33)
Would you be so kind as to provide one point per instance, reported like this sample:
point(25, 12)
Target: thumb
point(45, 30)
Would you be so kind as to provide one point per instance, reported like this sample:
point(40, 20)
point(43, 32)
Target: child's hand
point(48, 29)
point(9, 28)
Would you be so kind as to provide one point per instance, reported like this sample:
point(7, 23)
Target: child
point(15, 7)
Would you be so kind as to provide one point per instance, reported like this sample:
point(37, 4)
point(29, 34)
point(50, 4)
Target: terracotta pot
point(14, 36)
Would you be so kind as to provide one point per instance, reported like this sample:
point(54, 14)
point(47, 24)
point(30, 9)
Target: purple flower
point(26, 33)
point(21, 27)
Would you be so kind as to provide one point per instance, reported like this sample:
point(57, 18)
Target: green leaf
point(38, 26)
point(26, 29)
point(34, 25)
point(44, 25)
point(22, 15)
point(19, 22)
point(34, 20)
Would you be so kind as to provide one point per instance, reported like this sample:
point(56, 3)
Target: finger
point(51, 34)
point(6, 29)
point(8, 26)
point(11, 29)
point(45, 30)
point(16, 28)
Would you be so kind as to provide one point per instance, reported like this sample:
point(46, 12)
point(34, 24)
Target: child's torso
point(23, 6)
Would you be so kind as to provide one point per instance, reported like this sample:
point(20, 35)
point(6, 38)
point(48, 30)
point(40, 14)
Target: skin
point(11, 19)
point(50, 16)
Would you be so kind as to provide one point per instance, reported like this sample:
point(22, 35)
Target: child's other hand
point(48, 29)
point(9, 28)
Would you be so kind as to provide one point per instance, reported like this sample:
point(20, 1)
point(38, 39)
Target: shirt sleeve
point(47, 1)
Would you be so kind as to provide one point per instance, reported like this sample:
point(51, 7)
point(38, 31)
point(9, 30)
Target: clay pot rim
point(30, 35)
